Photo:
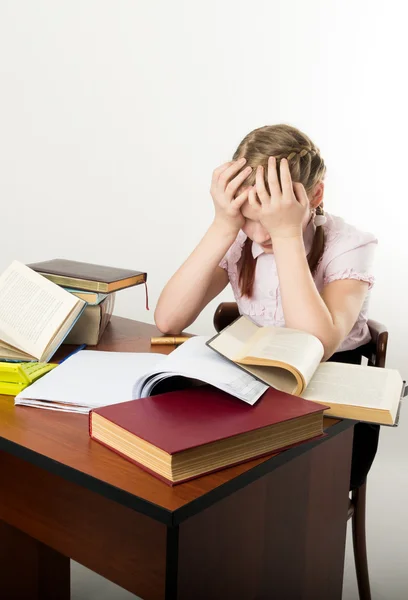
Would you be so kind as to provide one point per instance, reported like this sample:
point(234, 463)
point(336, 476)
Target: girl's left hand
point(284, 211)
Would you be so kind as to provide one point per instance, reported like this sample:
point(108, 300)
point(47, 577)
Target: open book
point(290, 360)
point(35, 315)
point(91, 378)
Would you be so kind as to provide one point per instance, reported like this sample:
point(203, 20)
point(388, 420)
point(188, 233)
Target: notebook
point(91, 378)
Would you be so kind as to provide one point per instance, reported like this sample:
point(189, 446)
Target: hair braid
point(306, 166)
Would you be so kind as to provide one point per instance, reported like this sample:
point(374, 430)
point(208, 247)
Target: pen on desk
point(169, 340)
point(81, 347)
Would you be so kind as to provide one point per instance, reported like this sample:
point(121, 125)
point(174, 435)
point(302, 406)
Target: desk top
point(60, 443)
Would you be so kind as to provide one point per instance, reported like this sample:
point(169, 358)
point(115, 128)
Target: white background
point(113, 116)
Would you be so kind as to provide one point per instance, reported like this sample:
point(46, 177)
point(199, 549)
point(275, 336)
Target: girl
point(289, 264)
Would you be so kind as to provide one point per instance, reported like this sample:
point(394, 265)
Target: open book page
point(232, 340)
point(193, 359)
point(89, 379)
point(276, 377)
point(32, 309)
point(62, 333)
point(8, 352)
point(355, 385)
point(243, 338)
point(298, 349)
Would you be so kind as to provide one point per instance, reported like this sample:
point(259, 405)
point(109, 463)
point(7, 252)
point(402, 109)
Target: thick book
point(290, 360)
point(92, 323)
point(185, 434)
point(35, 315)
point(87, 276)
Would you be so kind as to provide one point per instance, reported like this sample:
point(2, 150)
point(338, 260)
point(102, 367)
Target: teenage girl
point(289, 263)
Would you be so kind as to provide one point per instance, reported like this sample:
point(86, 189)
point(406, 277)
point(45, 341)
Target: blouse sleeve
point(234, 253)
point(224, 262)
point(352, 258)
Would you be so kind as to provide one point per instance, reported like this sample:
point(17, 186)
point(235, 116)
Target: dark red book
point(181, 435)
point(87, 276)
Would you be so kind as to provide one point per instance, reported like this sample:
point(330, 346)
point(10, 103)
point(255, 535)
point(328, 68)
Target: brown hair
point(306, 166)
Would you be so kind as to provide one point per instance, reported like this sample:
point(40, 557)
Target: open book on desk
point(35, 315)
point(290, 360)
point(91, 379)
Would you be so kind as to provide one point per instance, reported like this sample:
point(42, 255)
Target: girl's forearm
point(182, 298)
point(303, 307)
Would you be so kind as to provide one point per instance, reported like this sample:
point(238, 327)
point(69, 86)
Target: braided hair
point(306, 166)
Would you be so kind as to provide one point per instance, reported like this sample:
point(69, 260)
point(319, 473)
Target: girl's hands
point(283, 212)
point(224, 185)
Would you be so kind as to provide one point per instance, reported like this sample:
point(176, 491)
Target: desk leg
point(282, 537)
point(30, 570)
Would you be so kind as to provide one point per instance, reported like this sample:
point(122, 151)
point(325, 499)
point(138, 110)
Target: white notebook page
point(91, 378)
point(195, 360)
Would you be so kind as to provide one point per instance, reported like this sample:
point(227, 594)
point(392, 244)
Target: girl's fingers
point(229, 172)
point(273, 180)
point(252, 198)
point(236, 183)
point(286, 179)
point(240, 199)
point(300, 194)
point(260, 186)
point(217, 172)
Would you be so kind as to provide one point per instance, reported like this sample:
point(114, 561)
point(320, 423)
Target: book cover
point(88, 276)
point(186, 419)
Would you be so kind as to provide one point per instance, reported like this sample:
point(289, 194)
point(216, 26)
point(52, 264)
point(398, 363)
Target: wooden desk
point(272, 528)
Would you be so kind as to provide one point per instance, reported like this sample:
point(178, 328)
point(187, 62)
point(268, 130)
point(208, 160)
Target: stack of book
point(94, 284)
point(37, 316)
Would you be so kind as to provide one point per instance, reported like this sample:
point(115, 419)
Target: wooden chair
point(375, 351)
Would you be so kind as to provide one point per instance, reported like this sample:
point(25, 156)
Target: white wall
point(114, 114)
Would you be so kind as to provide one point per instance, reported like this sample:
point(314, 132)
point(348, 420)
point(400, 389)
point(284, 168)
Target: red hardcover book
point(184, 434)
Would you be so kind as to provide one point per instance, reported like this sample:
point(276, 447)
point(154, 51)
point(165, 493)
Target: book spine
point(107, 307)
point(92, 324)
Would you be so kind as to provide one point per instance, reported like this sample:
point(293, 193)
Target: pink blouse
point(348, 254)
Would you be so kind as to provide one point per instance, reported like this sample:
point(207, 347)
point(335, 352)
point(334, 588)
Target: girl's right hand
point(224, 185)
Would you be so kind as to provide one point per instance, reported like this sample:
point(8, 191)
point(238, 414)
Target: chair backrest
point(375, 350)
